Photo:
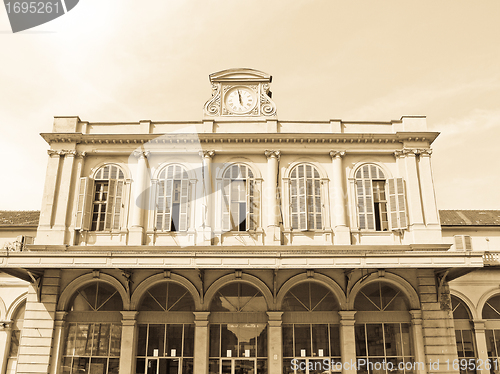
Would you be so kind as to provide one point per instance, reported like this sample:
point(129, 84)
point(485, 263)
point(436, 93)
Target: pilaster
point(58, 342)
point(431, 213)
point(342, 232)
point(207, 213)
point(418, 339)
point(79, 162)
point(275, 342)
point(136, 234)
point(128, 342)
point(481, 346)
point(347, 341)
point(273, 231)
point(201, 342)
point(5, 337)
point(59, 230)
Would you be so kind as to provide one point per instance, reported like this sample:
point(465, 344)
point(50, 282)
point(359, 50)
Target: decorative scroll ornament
point(267, 106)
point(276, 154)
point(213, 106)
point(207, 154)
point(334, 154)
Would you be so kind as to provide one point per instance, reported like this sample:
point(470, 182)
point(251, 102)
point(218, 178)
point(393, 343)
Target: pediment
point(240, 75)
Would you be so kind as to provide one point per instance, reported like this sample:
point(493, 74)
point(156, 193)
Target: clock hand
point(239, 97)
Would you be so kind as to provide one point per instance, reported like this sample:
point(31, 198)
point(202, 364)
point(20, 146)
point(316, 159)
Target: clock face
point(240, 100)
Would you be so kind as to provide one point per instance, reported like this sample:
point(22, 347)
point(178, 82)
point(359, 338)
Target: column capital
point(272, 153)
point(425, 152)
point(337, 154)
point(416, 317)
point(479, 324)
point(141, 154)
point(129, 317)
point(274, 319)
point(347, 317)
point(54, 153)
point(81, 154)
point(61, 316)
point(66, 152)
point(201, 316)
point(6, 325)
point(207, 153)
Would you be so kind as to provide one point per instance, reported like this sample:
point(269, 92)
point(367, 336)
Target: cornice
point(294, 138)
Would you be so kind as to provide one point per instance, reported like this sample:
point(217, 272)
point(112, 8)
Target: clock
point(240, 100)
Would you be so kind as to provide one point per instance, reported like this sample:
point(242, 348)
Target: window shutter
point(253, 194)
point(397, 204)
point(167, 220)
point(463, 243)
point(183, 213)
point(118, 205)
point(84, 204)
point(110, 204)
point(301, 197)
point(364, 190)
point(226, 223)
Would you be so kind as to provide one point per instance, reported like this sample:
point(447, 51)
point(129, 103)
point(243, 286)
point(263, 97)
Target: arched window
point(165, 347)
point(466, 346)
point(381, 334)
point(173, 199)
point(240, 199)
point(100, 200)
point(381, 202)
point(17, 327)
point(310, 333)
point(491, 313)
point(93, 347)
point(305, 198)
point(240, 344)
point(167, 297)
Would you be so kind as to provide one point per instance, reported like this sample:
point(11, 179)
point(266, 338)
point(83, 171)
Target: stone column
point(207, 198)
point(201, 342)
point(47, 211)
point(347, 341)
point(482, 348)
point(407, 165)
point(80, 158)
point(273, 232)
point(58, 342)
point(5, 336)
point(418, 339)
point(128, 343)
point(61, 213)
point(342, 234)
point(431, 213)
point(137, 221)
point(274, 342)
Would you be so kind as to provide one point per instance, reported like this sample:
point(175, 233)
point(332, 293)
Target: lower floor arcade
point(252, 322)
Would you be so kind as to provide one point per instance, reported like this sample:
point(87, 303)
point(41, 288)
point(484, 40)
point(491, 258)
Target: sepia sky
point(123, 60)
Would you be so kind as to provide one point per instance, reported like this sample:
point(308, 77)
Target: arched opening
point(382, 329)
point(491, 313)
point(305, 198)
point(238, 330)
point(172, 204)
point(466, 345)
point(93, 335)
point(15, 339)
point(165, 343)
point(310, 327)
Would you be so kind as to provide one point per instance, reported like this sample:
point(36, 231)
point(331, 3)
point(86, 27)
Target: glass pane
point(81, 365)
point(406, 336)
point(98, 365)
point(226, 367)
point(66, 365)
point(187, 366)
point(335, 340)
point(152, 366)
point(213, 367)
point(174, 341)
point(116, 338)
point(141, 340)
point(140, 366)
point(360, 340)
point(156, 340)
point(215, 341)
point(261, 366)
point(320, 346)
point(83, 340)
point(302, 340)
point(374, 339)
point(101, 339)
point(188, 341)
point(262, 343)
point(229, 342)
point(169, 365)
point(468, 343)
point(70, 340)
point(244, 366)
point(287, 331)
point(392, 337)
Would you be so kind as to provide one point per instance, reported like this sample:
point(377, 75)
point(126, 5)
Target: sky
point(124, 60)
